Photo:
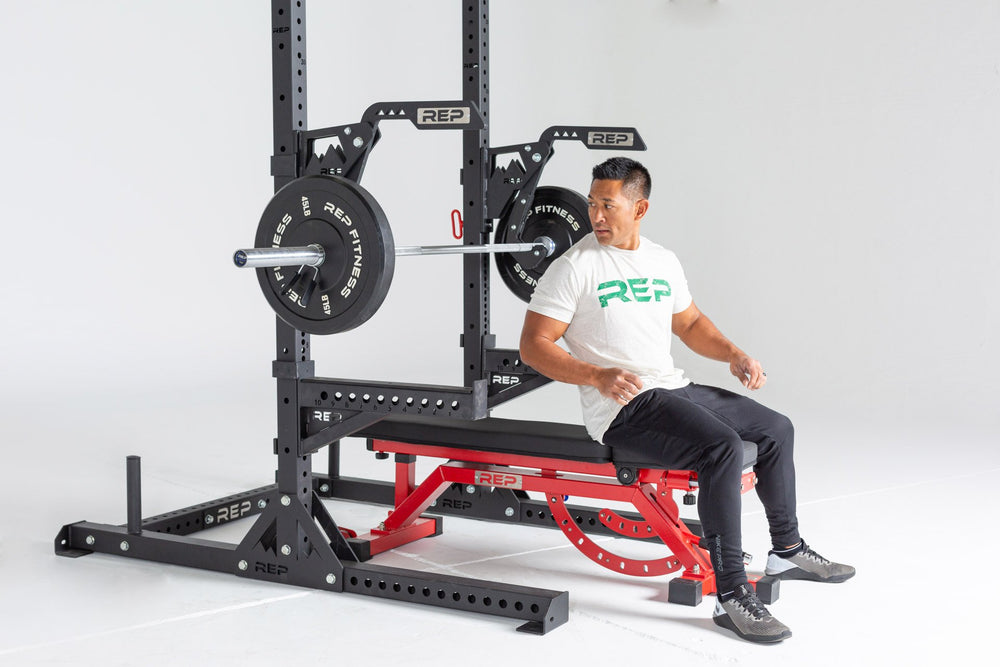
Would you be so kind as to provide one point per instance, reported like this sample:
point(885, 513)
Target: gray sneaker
point(807, 565)
point(747, 616)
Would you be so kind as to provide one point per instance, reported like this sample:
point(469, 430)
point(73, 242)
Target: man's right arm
point(540, 351)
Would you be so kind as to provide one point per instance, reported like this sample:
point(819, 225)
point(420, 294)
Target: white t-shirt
point(619, 305)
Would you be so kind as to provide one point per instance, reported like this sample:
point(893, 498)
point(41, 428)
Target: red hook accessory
point(456, 216)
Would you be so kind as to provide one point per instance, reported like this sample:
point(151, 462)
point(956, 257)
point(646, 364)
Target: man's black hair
point(635, 178)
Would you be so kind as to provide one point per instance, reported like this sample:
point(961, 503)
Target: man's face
point(614, 216)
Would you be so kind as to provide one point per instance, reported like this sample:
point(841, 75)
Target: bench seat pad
point(513, 436)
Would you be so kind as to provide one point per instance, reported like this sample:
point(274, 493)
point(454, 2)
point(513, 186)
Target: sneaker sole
point(801, 575)
point(725, 622)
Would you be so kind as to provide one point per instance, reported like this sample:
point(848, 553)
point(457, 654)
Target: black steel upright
point(288, 79)
point(292, 355)
point(475, 164)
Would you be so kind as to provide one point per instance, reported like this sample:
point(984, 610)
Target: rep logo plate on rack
point(444, 116)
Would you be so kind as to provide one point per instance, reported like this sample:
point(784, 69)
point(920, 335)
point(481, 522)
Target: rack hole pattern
point(418, 404)
point(402, 590)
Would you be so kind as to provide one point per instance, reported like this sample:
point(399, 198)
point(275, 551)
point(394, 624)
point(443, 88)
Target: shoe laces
point(752, 607)
point(807, 552)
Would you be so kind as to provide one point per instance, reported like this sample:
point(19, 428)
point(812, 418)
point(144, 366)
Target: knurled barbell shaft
point(542, 243)
point(313, 255)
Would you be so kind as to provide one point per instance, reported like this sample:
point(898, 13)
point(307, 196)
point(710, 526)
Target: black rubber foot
point(362, 548)
point(768, 589)
point(683, 591)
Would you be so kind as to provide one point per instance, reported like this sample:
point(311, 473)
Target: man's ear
point(641, 207)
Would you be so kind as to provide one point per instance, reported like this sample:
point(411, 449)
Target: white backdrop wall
point(827, 171)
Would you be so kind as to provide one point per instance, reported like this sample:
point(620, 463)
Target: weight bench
point(559, 461)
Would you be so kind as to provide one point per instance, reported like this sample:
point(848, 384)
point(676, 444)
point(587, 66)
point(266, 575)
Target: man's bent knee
point(784, 429)
point(723, 454)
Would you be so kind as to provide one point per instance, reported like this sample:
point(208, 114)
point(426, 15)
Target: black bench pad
point(509, 436)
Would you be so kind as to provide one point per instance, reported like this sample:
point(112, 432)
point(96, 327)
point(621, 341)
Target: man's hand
point(748, 371)
point(617, 384)
point(698, 333)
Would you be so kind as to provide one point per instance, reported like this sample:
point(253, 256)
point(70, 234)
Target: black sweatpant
point(702, 428)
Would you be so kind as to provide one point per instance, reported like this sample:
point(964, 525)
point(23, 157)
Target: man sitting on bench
point(616, 297)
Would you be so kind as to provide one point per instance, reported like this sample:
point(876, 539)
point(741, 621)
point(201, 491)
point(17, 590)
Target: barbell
point(325, 255)
point(313, 255)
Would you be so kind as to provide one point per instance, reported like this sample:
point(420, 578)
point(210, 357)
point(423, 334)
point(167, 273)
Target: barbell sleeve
point(252, 258)
point(313, 254)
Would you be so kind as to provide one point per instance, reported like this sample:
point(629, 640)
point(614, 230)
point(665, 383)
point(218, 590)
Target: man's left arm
point(699, 333)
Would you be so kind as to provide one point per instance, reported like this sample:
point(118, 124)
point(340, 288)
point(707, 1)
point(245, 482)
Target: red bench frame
point(650, 493)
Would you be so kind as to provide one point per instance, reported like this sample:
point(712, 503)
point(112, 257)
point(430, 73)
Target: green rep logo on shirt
point(639, 288)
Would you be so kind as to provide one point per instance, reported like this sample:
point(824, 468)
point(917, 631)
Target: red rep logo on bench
point(498, 479)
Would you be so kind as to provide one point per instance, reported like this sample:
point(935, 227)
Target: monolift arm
point(350, 145)
point(512, 186)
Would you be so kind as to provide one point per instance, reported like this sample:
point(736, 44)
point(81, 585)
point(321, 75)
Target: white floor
point(915, 512)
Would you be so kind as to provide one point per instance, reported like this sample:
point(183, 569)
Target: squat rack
point(294, 539)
